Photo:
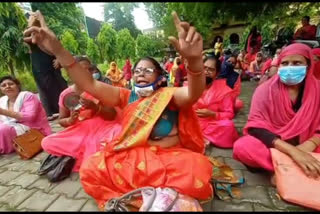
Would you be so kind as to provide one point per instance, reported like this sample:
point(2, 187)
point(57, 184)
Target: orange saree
point(116, 76)
point(129, 162)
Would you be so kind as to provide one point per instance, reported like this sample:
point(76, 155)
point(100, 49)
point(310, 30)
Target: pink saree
point(81, 139)
point(271, 109)
point(220, 131)
point(33, 116)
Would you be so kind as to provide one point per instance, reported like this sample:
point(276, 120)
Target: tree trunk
point(11, 68)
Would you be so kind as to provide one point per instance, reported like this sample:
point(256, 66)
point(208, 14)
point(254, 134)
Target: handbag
point(49, 163)
point(292, 183)
point(56, 168)
point(28, 144)
point(154, 199)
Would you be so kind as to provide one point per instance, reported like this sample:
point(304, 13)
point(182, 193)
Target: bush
point(65, 75)
point(103, 67)
point(27, 82)
point(4, 73)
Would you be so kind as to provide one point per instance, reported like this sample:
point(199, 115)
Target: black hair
point(156, 64)
point(93, 67)
point(218, 63)
point(307, 18)
point(13, 79)
point(227, 52)
point(82, 58)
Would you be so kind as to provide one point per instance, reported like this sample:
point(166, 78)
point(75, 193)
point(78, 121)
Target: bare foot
point(273, 180)
point(206, 143)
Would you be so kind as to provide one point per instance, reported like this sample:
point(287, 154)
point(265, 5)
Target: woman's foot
point(206, 143)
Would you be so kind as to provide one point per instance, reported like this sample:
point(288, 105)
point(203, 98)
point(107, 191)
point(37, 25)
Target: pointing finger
point(176, 21)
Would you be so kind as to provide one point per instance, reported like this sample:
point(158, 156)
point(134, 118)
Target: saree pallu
point(129, 162)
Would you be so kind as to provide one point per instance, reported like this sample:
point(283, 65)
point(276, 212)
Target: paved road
point(22, 190)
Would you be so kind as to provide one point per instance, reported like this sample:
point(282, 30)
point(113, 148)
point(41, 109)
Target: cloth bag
point(154, 199)
point(292, 184)
point(28, 144)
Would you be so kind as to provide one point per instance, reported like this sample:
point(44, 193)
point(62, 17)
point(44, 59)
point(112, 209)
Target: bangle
point(194, 73)
point(70, 65)
point(316, 144)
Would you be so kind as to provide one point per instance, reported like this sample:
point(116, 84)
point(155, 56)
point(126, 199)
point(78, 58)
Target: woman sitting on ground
point(233, 80)
point(215, 108)
point(284, 115)
point(97, 74)
point(156, 146)
point(256, 66)
point(20, 111)
point(316, 58)
point(86, 128)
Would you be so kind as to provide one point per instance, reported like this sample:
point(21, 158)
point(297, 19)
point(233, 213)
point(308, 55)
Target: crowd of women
point(131, 131)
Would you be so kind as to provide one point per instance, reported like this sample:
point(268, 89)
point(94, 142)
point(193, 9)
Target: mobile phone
point(77, 107)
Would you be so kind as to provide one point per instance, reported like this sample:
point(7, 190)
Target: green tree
point(69, 42)
point(13, 51)
point(107, 42)
point(120, 16)
point(204, 15)
point(271, 22)
point(126, 45)
point(83, 42)
point(148, 46)
point(268, 16)
point(62, 16)
point(157, 11)
point(93, 51)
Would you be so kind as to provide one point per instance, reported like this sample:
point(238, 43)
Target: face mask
point(146, 90)
point(96, 76)
point(292, 75)
point(229, 64)
point(209, 80)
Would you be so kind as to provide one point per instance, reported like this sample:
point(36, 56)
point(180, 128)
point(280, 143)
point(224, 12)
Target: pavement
point(22, 190)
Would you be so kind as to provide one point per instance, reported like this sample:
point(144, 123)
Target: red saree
point(129, 162)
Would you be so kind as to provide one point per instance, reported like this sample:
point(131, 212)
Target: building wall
point(225, 33)
point(158, 33)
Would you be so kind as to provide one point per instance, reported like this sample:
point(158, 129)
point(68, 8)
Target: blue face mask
point(292, 75)
point(146, 90)
point(96, 76)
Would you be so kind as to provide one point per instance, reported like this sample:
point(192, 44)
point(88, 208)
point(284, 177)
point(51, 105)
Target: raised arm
point(190, 46)
point(47, 40)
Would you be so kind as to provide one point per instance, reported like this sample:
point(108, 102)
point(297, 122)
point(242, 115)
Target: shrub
point(27, 82)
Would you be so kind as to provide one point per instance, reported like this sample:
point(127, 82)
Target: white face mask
point(146, 90)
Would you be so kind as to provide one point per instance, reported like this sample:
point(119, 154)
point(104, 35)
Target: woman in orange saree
point(145, 153)
point(116, 75)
